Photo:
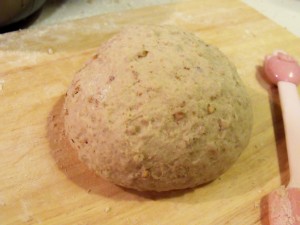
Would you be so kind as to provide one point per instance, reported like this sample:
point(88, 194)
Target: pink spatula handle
point(284, 203)
point(290, 105)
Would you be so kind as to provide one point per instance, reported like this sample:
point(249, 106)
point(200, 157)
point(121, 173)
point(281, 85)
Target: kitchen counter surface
point(284, 12)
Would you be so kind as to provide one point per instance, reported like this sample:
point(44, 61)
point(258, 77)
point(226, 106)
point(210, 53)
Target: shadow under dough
point(67, 161)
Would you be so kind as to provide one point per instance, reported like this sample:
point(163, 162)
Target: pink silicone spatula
point(284, 203)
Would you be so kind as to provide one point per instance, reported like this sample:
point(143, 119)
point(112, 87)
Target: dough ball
point(158, 109)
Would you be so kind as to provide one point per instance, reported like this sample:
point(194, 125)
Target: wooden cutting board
point(41, 180)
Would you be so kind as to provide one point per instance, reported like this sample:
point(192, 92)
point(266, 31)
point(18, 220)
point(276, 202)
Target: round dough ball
point(158, 109)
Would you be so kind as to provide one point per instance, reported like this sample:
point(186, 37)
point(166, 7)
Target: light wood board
point(41, 180)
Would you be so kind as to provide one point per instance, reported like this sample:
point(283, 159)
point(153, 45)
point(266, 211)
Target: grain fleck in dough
point(158, 109)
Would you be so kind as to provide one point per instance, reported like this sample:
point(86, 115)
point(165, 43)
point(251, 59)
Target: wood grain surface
point(41, 180)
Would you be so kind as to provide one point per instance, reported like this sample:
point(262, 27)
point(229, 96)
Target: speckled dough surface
point(158, 109)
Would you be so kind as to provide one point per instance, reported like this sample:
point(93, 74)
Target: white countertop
point(284, 12)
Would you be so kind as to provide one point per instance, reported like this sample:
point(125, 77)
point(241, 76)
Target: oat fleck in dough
point(158, 109)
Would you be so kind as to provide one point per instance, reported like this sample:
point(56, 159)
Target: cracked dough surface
point(158, 109)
